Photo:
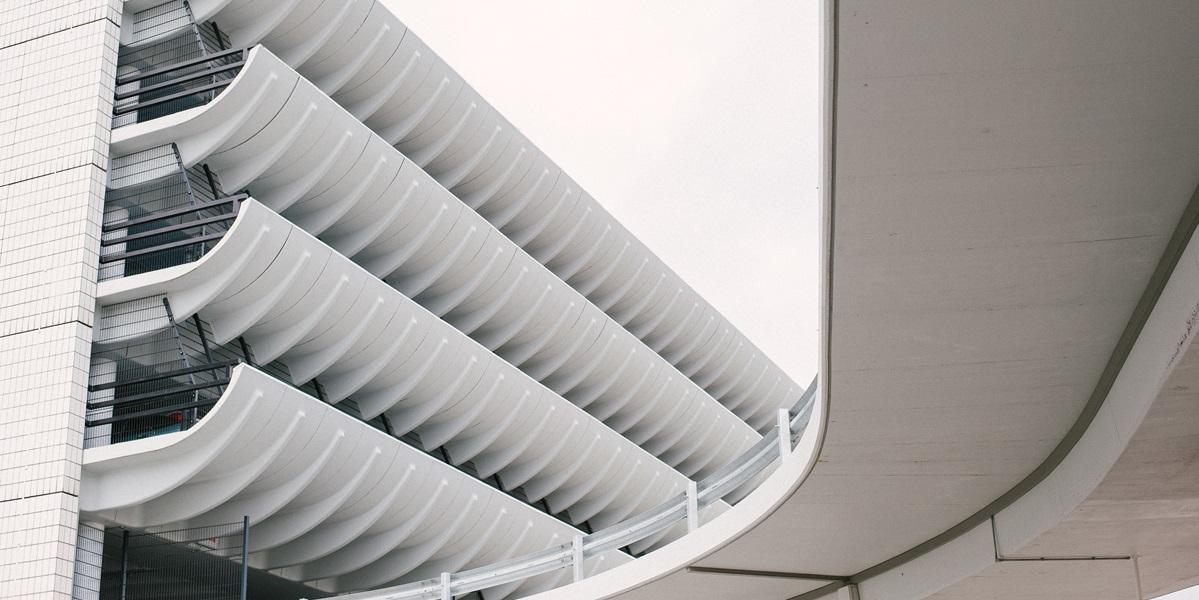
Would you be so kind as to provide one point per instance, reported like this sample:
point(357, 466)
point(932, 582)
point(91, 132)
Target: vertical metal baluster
point(193, 254)
point(692, 506)
point(577, 557)
point(124, 563)
point(784, 422)
point(245, 350)
point(245, 555)
point(191, 378)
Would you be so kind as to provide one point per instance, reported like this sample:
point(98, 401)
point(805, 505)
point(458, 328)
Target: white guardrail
point(712, 488)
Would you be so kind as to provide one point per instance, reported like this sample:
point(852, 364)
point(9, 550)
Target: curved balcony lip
point(673, 563)
point(734, 523)
point(435, 249)
point(292, 296)
point(389, 79)
point(140, 484)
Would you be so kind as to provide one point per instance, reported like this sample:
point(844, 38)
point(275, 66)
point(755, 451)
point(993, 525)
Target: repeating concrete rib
point(294, 298)
point(303, 155)
point(334, 503)
point(368, 61)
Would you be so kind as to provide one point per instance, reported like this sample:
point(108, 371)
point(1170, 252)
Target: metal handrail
point(174, 212)
point(166, 391)
point(221, 68)
point(232, 202)
point(752, 463)
point(139, 75)
point(181, 79)
point(166, 375)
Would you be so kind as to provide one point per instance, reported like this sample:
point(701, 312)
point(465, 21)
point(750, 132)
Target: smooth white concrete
point(295, 299)
point(1048, 580)
point(1145, 508)
point(664, 571)
point(332, 502)
point(370, 203)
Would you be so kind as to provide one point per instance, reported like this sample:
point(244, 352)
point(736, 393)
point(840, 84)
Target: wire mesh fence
point(157, 214)
point(150, 374)
point(199, 563)
point(170, 63)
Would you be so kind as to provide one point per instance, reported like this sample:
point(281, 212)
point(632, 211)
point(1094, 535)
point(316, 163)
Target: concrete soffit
point(978, 532)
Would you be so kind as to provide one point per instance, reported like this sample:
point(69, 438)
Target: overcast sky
point(694, 123)
point(1187, 594)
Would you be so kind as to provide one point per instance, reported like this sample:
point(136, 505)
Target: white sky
point(1187, 594)
point(694, 123)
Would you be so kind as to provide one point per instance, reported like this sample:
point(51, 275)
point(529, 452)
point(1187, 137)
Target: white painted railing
point(753, 462)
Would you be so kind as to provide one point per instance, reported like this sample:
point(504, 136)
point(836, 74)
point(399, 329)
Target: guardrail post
point(692, 506)
point(445, 587)
point(577, 557)
point(124, 563)
point(245, 556)
point(784, 433)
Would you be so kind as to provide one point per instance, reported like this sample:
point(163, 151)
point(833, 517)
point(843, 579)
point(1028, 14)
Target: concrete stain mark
point(1113, 239)
point(1187, 332)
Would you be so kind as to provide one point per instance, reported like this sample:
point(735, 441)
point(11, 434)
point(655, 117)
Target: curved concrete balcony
point(331, 501)
point(329, 174)
point(293, 298)
point(367, 60)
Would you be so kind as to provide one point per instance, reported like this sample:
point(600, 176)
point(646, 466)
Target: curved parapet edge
point(1164, 329)
point(243, 108)
point(754, 510)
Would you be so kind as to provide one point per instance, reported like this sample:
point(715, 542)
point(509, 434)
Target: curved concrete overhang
point(1010, 201)
point(1136, 535)
point(331, 501)
point(295, 299)
point(669, 572)
point(362, 56)
point(369, 203)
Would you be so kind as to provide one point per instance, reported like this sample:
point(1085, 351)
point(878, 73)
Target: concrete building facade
point(59, 64)
point(288, 310)
point(275, 263)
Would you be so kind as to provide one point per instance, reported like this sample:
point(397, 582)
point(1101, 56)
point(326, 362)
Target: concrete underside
point(1007, 175)
point(1147, 507)
point(1007, 178)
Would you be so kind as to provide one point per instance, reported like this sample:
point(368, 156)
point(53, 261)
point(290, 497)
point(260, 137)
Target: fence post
point(445, 587)
point(784, 433)
point(245, 555)
point(124, 562)
point(692, 506)
point(577, 557)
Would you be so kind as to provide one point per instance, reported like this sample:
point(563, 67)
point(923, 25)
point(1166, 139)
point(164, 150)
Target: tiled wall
point(57, 64)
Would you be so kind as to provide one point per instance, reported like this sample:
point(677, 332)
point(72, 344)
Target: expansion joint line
point(999, 557)
point(768, 574)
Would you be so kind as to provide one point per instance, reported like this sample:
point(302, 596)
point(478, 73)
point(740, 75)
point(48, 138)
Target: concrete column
point(58, 58)
point(104, 370)
point(89, 557)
